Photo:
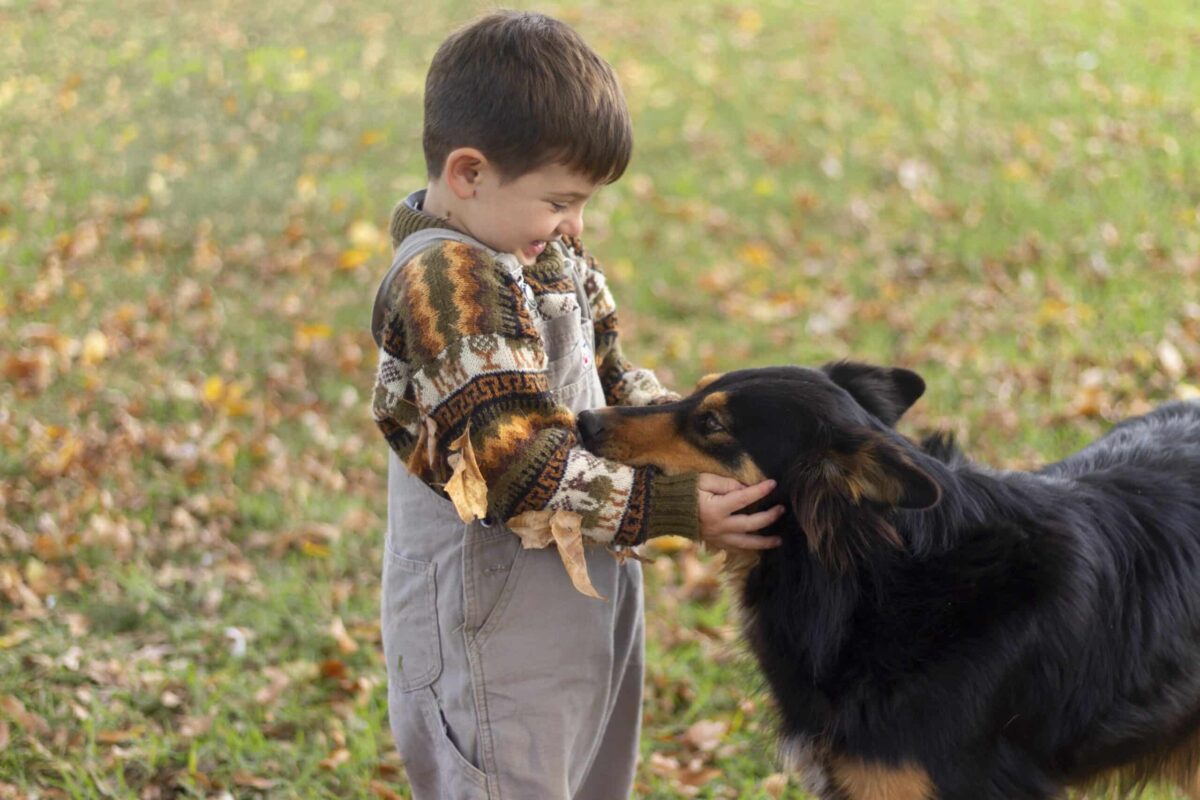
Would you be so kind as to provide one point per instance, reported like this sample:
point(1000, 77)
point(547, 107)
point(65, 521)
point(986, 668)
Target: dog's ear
point(887, 392)
point(843, 497)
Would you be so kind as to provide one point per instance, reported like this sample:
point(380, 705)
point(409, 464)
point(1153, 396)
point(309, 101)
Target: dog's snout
point(590, 424)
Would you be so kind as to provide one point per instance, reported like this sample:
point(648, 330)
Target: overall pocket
point(409, 622)
point(492, 565)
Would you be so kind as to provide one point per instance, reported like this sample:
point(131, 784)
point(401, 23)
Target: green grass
point(1002, 196)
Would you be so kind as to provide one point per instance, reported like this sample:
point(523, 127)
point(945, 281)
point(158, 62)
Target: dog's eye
point(710, 423)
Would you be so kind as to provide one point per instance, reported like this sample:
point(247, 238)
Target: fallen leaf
point(567, 529)
point(336, 759)
point(466, 487)
point(384, 792)
point(532, 528)
point(775, 784)
point(668, 544)
point(345, 642)
point(252, 781)
point(425, 448)
point(623, 554)
point(706, 734)
point(1170, 359)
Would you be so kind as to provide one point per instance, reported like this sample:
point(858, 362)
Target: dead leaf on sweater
point(537, 529)
point(532, 528)
point(425, 448)
point(466, 487)
point(567, 529)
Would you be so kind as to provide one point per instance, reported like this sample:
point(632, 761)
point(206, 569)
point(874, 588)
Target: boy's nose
point(572, 226)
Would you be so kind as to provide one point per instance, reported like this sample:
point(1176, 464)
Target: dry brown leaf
point(252, 781)
point(383, 791)
point(345, 642)
point(706, 734)
point(425, 448)
point(532, 528)
point(466, 487)
point(623, 554)
point(567, 529)
point(338, 757)
point(537, 529)
point(775, 784)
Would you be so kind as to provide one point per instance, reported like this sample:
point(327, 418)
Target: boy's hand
point(721, 526)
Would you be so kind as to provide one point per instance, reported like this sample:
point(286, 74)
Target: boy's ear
point(462, 171)
point(886, 392)
point(842, 497)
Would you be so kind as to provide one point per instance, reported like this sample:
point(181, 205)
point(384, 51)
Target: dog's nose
point(590, 425)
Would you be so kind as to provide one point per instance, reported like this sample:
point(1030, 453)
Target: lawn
point(193, 209)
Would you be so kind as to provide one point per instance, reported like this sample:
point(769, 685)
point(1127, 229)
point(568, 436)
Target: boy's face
point(524, 214)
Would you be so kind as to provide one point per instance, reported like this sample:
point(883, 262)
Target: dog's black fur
point(998, 635)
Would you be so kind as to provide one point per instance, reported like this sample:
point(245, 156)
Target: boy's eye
point(559, 207)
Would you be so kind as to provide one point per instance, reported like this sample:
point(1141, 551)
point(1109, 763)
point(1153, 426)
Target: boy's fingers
point(747, 523)
point(748, 541)
point(743, 497)
point(717, 484)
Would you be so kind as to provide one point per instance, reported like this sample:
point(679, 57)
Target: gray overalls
point(504, 682)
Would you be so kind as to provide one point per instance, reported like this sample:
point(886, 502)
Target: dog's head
point(825, 435)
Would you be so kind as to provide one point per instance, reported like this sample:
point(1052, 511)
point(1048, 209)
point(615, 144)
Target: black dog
point(931, 628)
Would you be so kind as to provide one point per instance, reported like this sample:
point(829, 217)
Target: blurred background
point(1004, 196)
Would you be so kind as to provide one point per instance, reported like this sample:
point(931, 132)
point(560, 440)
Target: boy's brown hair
point(527, 91)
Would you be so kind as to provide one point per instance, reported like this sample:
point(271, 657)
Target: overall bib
point(504, 682)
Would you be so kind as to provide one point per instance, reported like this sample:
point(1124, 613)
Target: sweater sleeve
point(624, 384)
point(459, 352)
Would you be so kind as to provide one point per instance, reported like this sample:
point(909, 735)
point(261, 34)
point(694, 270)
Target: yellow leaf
point(567, 529)
point(755, 254)
point(15, 638)
point(234, 403)
point(95, 348)
point(668, 544)
point(749, 20)
point(764, 186)
point(366, 236)
point(353, 258)
point(466, 487)
point(214, 389)
point(314, 550)
point(1187, 391)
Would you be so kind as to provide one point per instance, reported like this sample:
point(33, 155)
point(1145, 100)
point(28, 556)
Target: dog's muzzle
point(591, 427)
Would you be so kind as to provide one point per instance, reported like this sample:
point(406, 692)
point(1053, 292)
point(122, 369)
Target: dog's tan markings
point(652, 439)
point(714, 402)
point(706, 380)
point(1179, 765)
point(863, 475)
point(860, 780)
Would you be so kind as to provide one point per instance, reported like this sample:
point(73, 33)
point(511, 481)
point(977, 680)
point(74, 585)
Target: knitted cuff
point(673, 507)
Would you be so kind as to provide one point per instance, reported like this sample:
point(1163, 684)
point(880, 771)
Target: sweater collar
point(409, 217)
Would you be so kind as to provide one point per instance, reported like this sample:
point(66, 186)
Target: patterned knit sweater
point(460, 351)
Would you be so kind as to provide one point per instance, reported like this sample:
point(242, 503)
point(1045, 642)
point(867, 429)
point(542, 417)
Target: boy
point(503, 680)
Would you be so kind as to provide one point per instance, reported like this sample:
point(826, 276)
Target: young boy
point(503, 680)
